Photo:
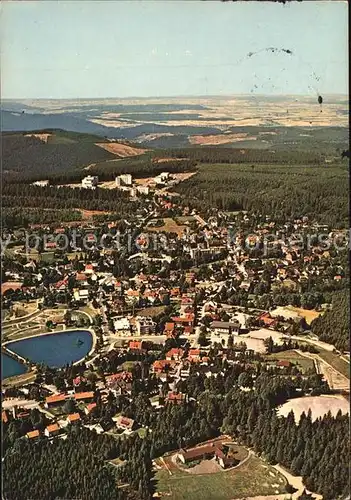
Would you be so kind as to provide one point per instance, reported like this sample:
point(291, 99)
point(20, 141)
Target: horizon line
point(175, 96)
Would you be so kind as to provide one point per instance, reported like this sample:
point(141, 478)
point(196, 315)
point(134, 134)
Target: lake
point(10, 367)
point(54, 350)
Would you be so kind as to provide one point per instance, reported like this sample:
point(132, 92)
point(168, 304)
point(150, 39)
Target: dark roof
point(225, 324)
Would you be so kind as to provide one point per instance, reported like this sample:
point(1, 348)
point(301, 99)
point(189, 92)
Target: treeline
point(28, 157)
point(50, 197)
point(76, 467)
point(334, 325)
point(208, 154)
point(18, 216)
point(279, 191)
point(141, 166)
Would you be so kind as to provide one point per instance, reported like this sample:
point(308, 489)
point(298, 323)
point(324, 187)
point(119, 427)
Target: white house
point(122, 324)
point(90, 182)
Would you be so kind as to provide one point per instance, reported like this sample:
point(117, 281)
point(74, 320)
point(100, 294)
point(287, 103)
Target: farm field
point(224, 485)
point(307, 365)
point(319, 405)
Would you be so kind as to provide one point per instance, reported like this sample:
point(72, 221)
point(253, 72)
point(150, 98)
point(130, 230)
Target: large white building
point(143, 190)
point(90, 182)
point(122, 324)
point(41, 183)
point(124, 180)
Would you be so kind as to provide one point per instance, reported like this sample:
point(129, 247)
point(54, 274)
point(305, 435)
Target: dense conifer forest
point(77, 467)
point(281, 191)
point(334, 325)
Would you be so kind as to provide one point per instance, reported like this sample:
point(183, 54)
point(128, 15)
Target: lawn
point(253, 478)
point(294, 357)
point(336, 362)
point(152, 311)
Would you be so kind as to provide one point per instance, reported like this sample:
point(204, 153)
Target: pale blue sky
point(111, 48)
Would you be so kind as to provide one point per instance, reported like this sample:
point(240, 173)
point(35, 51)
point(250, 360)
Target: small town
point(175, 244)
point(152, 320)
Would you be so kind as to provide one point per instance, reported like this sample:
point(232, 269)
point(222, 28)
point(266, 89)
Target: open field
point(319, 405)
point(169, 226)
point(252, 478)
point(306, 365)
point(151, 311)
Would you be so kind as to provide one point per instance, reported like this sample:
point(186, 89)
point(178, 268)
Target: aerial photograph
point(175, 310)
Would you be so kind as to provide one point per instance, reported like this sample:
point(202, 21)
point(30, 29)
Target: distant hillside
point(52, 152)
point(13, 121)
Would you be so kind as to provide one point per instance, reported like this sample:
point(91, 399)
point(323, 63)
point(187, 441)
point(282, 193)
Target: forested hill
point(25, 155)
point(334, 325)
point(47, 153)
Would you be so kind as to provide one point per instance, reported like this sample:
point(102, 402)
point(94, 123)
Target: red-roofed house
point(125, 423)
point(55, 400)
point(175, 398)
point(74, 417)
point(83, 396)
point(174, 353)
point(194, 355)
point(136, 345)
point(268, 320)
point(162, 365)
point(33, 434)
point(90, 408)
point(52, 430)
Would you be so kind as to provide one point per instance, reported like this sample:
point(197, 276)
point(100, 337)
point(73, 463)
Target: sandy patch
point(42, 137)
point(207, 140)
point(296, 312)
point(319, 405)
point(114, 123)
point(122, 150)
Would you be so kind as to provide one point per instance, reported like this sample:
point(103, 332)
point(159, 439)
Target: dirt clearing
point(319, 405)
point(121, 150)
point(42, 137)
